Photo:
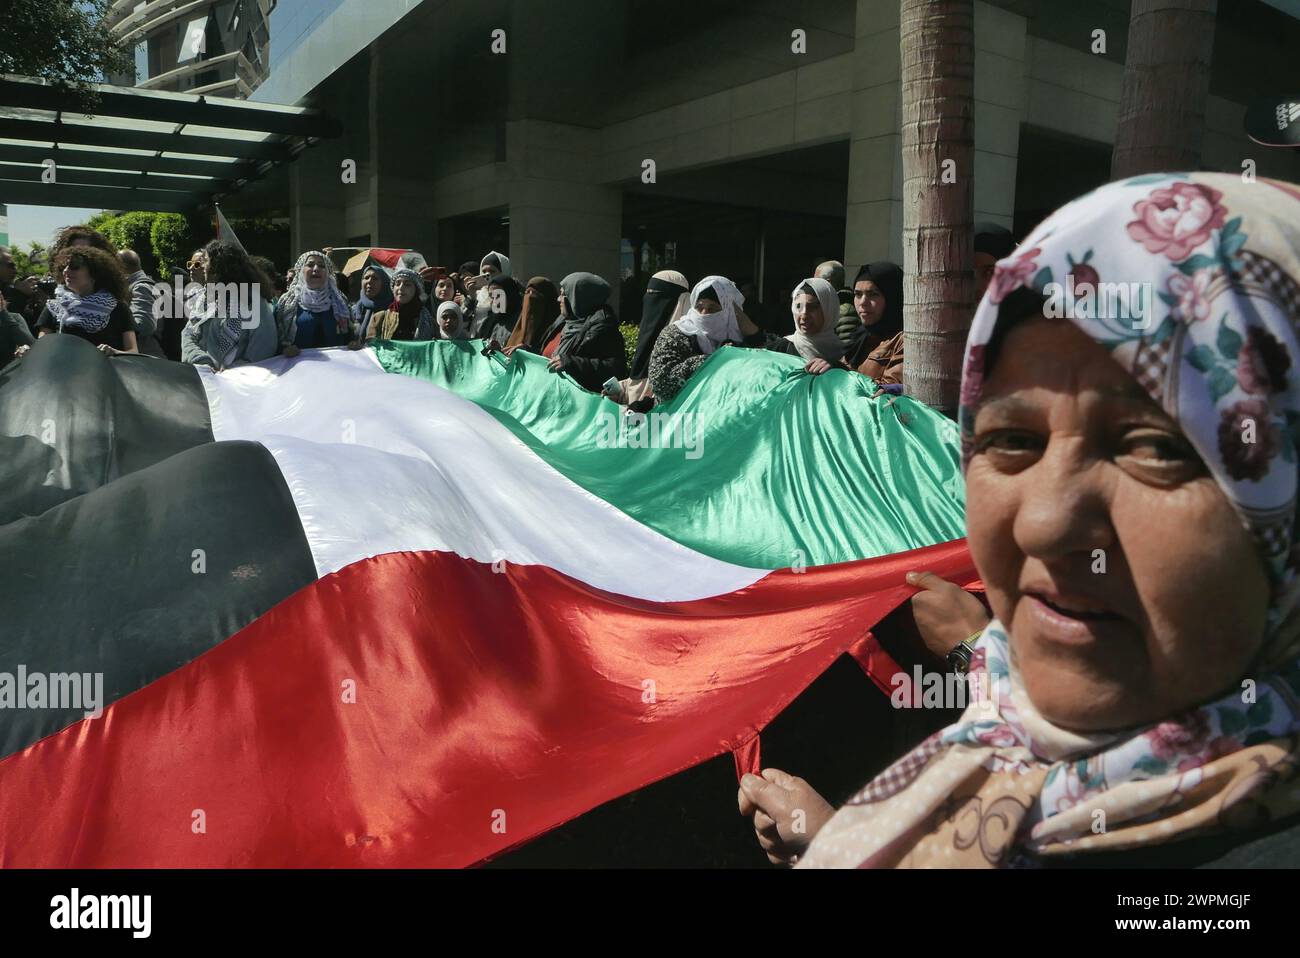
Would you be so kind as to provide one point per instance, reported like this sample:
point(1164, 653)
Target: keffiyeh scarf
point(300, 296)
point(85, 312)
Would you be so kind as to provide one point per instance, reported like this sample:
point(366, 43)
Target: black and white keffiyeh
point(85, 312)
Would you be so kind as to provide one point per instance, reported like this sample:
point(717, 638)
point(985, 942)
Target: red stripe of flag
point(489, 708)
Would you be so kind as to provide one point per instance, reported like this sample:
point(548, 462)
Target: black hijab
point(993, 239)
point(657, 308)
point(888, 278)
point(514, 293)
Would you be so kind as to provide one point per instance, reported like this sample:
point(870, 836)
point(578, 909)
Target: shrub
point(171, 241)
point(97, 221)
point(133, 231)
point(262, 236)
point(630, 334)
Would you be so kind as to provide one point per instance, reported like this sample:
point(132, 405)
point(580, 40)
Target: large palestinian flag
point(412, 606)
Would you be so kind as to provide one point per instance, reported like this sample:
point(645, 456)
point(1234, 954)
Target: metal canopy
point(143, 149)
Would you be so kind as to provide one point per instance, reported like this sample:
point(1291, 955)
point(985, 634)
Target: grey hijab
point(584, 294)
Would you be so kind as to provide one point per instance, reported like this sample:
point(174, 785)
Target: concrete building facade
point(746, 138)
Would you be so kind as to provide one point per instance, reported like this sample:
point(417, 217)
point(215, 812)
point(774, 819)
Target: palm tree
point(937, 47)
point(1166, 83)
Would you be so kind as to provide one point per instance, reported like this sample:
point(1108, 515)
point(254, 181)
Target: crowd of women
point(1145, 710)
point(102, 295)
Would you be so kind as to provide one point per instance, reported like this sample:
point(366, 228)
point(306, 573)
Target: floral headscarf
point(1209, 331)
point(300, 296)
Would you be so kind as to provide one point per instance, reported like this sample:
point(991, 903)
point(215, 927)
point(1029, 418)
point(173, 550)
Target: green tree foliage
point(262, 236)
point(63, 41)
point(172, 241)
point(33, 261)
point(97, 221)
point(133, 231)
point(165, 240)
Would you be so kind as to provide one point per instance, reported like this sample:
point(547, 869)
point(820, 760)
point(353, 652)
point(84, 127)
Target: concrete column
point(562, 73)
point(401, 142)
point(874, 227)
point(316, 198)
point(561, 218)
point(1001, 100)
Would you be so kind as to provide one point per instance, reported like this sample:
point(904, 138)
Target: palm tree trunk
point(1166, 84)
point(937, 48)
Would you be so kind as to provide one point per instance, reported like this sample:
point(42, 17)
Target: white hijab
point(460, 332)
point(502, 258)
point(826, 343)
point(711, 330)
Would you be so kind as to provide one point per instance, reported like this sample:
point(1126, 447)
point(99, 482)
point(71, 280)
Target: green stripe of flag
point(755, 463)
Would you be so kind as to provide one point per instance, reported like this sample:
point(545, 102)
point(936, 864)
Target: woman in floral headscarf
point(1130, 419)
point(312, 313)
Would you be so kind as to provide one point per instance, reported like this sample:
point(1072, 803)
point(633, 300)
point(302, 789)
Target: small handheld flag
point(225, 233)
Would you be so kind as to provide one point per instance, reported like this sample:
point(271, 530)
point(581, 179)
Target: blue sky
point(40, 223)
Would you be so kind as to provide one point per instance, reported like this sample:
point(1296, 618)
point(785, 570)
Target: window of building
point(194, 42)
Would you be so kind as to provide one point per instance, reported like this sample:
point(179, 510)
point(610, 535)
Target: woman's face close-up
point(403, 290)
point(314, 273)
point(444, 290)
point(370, 284)
point(868, 301)
point(448, 322)
point(78, 279)
point(706, 305)
point(808, 316)
point(1130, 589)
